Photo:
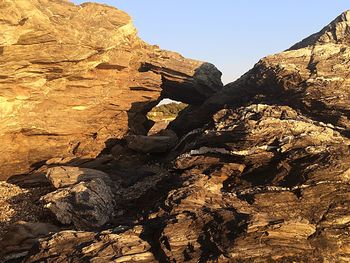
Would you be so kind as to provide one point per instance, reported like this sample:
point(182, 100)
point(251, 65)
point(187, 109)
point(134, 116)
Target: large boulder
point(88, 204)
point(73, 77)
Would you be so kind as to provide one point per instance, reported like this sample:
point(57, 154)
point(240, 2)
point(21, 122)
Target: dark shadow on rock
point(25, 206)
point(193, 90)
point(219, 234)
point(138, 122)
point(126, 167)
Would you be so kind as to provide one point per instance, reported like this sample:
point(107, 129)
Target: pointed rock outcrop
point(311, 77)
point(337, 32)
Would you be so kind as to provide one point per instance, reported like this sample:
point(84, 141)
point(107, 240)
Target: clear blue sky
point(232, 34)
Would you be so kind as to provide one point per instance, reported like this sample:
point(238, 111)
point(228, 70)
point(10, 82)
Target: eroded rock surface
point(312, 77)
point(261, 183)
point(161, 142)
point(107, 246)
point(87, 204)
point(258, 183)
point(259, 173)
point(21, 237)
point(63, 176)
point(73, 77)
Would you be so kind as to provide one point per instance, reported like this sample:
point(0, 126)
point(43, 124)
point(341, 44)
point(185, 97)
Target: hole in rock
point(163, 113)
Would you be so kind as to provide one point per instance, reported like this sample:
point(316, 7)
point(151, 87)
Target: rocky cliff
point(73, 77)
point(312, 77)
point(258, 171)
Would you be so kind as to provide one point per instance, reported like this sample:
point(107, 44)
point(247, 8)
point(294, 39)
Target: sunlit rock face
point(257, 172)
point(73, 77)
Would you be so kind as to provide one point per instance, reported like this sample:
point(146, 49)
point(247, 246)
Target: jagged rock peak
point(337, 32)
point(312, 77)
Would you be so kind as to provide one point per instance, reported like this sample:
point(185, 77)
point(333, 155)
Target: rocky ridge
point(258, 172)
point(311, 77)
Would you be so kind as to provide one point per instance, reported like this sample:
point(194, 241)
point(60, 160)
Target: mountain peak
point(337, 32)
point(345, 16)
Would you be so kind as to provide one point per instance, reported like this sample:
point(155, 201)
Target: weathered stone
point(275, 187)
point(260, 183)
point(86, 205)
point(63, 176)
point(264, 177)
point(152, 144)
point(312, 77)
point(21, 237)
point(73, 77)
point(107, 246)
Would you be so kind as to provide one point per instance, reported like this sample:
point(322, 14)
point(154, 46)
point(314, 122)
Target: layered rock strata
point(73, 77)
point(312, 77)
point(260, 173)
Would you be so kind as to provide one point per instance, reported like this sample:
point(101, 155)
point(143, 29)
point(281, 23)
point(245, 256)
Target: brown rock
point(63, 176)
point(159, 143)
point(106, 246)
point(283, 200)
point(21, 237)
point(312, 77)
point(73, 77)
point(260, 183)
point(87, 204)
point(265, 177)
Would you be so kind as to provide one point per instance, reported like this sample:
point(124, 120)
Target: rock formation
point(312, 77)
point(260, 171)
point(73, 77)
point(117, 245)
point(22, 236)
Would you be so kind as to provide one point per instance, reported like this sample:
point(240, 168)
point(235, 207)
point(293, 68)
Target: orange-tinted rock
point(73, 77)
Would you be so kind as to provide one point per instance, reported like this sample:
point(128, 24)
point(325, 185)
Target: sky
point(231, 34)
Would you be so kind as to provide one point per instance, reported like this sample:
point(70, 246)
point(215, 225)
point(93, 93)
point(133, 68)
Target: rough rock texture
point(312, 77)
point(22, 236)
point(107, 246)
point(87, 204)
point(263, 177)
point(73, 77)
point(161, 142)
point(261, 183)
point(63, 176)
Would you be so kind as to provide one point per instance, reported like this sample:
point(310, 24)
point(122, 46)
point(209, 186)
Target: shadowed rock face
point(72, 77)
point(259, 183)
